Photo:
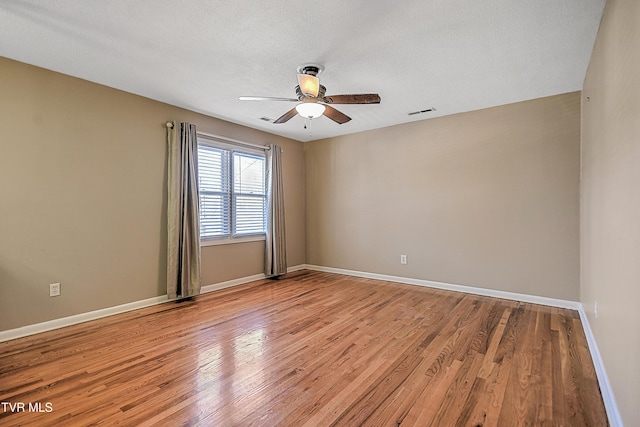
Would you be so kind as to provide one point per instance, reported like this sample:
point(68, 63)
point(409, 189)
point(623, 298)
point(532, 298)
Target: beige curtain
point(183, 213)
point(276, 248)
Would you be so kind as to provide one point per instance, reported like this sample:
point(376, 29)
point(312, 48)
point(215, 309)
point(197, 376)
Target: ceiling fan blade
point(265, 98)
point(336, 115)
point(364, 98)
point(286, 116)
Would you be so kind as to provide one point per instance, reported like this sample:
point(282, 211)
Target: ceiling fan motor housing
point(303, 98)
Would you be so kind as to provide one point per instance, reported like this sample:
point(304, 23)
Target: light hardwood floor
point(313, 349)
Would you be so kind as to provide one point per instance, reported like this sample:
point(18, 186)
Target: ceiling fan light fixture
point(310, 110)
point(309, 85)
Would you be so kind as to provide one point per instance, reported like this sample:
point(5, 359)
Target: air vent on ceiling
point(428, 110)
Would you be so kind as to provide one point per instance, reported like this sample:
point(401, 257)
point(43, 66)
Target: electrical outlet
point(54, 289)
point(403, 259)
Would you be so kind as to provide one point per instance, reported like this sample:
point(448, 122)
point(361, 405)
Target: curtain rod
point(170, 125)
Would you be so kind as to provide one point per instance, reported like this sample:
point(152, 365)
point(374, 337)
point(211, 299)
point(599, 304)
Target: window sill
point(229, 241)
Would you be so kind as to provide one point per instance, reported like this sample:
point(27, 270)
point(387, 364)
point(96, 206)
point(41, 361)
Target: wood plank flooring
point(313, 349)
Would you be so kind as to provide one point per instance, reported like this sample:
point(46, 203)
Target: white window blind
point(248, 194)
point(215, 191)
point(232, 192)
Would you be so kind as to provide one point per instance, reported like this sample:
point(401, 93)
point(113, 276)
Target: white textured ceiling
point(454, 55)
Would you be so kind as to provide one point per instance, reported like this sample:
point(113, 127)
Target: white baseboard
point(37, 328)
point(574, 305)
point(50, 325)
point(243, 280)
point(615, 419)
point(230, 283)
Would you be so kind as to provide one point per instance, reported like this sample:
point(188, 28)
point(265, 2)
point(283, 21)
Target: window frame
point(232, 149)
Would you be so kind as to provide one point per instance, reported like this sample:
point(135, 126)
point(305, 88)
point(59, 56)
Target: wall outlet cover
point(54, 289)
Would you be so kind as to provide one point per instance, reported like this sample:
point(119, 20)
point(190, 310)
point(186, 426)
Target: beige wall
point(82, 196)
point(610, 210)
point(487, 199)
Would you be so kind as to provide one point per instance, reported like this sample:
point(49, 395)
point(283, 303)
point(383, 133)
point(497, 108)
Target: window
point(232, 191)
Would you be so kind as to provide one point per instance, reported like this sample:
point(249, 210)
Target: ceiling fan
point(313, 102)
